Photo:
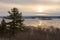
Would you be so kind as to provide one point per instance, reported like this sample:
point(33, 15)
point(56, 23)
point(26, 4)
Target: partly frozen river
point(39, 22)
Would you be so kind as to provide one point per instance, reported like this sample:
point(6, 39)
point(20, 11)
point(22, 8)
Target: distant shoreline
point(34, 17)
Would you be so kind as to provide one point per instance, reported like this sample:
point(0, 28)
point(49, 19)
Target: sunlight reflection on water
point(44, 23)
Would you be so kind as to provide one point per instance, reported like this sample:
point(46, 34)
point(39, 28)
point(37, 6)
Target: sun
point(40, 9)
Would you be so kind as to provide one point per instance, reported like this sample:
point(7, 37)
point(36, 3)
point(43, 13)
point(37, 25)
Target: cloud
point(5, 7)
point(50, 6)
point(44, 2)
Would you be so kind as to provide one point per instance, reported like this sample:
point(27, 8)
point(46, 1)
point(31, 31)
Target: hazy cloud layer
point(49, 2)
point(51, 6)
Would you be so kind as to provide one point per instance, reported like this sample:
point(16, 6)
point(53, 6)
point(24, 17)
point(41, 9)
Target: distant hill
point(33, 17)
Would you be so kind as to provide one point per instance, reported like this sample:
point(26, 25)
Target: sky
point(31, 7)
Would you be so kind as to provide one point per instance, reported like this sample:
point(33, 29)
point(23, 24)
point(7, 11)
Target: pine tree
point(16, 17)
point(3, 27)
point(16, 24)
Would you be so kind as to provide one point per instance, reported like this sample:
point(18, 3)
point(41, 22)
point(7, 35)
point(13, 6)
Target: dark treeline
point(16, 30)
point(39, 34)
point(34, 34)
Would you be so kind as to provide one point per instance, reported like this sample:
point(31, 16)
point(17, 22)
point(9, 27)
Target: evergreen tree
point(3, 27)
point(17, 21)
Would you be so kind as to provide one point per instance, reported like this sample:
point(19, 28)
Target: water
point(38, 22)
point(43, 23)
